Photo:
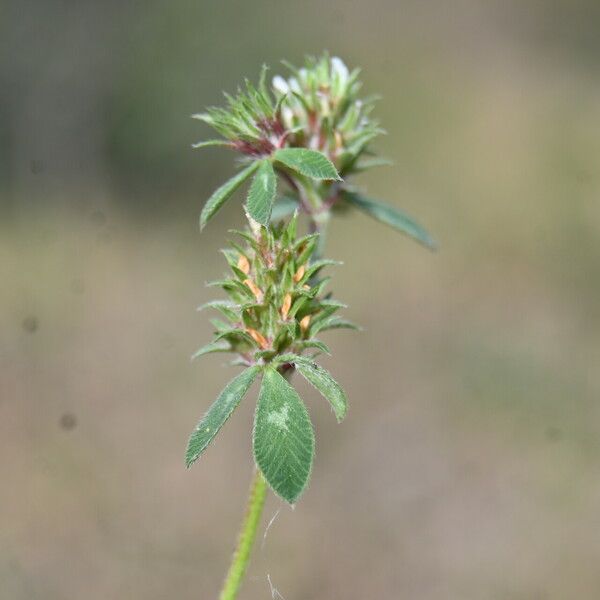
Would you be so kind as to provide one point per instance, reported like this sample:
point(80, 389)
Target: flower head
point(317, 107)
point(323, 110)
point(276, 299)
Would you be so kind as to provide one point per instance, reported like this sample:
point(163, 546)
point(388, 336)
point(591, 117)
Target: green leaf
point(316, 266)
point(391, 216)
point(262, 193)
point(210, 143)
point(314, 345)
point(218, 414)
point(284, 441)
point(297, 305)
point(226, 308)
point(332, 323)
point(328, 306)
point(233, 286)
point(219, 325)
point(218, 346)
point(219, 196)
point(307, 162)
point(235, 334)
point(324, 383)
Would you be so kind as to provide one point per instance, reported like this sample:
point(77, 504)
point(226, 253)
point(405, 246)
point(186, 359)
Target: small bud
point(340, 69)
point(299, 273)
point(285, 307)
point(281, 85)
point(255, 289)
point(258, 338)
point(243, 264)
point(304, 323)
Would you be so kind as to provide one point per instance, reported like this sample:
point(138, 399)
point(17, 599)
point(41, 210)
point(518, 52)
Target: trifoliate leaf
point(307, 162)
point(284, 441)
point(390, 216)
point(262, 193)
point(219, 196)
point(218, 414)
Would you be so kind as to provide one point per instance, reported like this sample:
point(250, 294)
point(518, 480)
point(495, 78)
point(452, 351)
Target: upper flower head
point(316, 107)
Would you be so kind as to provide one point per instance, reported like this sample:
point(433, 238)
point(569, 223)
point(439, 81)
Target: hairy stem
point(241, 556)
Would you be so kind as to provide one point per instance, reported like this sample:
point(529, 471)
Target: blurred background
point(469, 464)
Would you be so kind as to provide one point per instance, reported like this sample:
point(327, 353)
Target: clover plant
point(300, 140)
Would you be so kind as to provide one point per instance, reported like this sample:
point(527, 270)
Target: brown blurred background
point(469, 465)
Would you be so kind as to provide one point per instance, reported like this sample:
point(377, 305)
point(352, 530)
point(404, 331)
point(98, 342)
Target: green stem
point(241, 556)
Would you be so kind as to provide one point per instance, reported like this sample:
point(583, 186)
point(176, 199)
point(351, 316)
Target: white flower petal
point(280, 84)
point(339, 67)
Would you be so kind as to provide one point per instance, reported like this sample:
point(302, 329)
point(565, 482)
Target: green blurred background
point(469, 464)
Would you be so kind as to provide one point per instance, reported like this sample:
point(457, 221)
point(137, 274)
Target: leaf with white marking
point(218, 414)
point(284, 441)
